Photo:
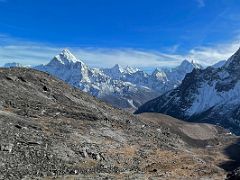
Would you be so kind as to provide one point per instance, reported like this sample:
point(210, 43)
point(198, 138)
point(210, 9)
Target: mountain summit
point(66, 57)
point(188, 66)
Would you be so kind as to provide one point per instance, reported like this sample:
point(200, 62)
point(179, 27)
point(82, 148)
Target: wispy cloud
point(132, 57)
point(30, 53)
point(211, 54)
point(94, 57)
point(27, 55)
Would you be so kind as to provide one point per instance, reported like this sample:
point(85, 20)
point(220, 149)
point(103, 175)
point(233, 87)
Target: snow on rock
point(211, 95)
point(66, 57)
point(208, 96)
point(126, 84)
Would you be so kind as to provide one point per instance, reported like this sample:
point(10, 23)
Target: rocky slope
point(211, 95)
point(49, 129)
point(122, 87)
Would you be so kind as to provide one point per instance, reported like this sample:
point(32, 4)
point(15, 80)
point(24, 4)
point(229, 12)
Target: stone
point(6, 147)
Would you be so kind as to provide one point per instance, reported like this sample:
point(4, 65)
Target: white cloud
point(124, 57)
point(29, 53)
point(212, 54)
point(94, 57)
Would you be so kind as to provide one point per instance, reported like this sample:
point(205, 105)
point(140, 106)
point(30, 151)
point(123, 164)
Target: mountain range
point(205, 95)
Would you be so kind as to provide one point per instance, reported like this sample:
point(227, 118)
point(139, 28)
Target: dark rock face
point(210, 95)
point(235, 175)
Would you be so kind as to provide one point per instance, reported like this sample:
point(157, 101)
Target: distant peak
point(129, 69)
point(156, 70)
point(66, 51)
point(118, 67)
point(185, 63)
point(66, 57)
point(159, 74)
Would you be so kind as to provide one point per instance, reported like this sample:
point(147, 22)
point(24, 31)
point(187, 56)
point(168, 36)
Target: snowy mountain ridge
point(211, 95)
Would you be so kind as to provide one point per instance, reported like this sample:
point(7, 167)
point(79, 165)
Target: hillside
point(49, 129)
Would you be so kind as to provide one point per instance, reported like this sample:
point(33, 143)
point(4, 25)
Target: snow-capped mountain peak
point(66, 57)
point(188, 66)
point(156, 70)
point(115, 72)
point(130, 70)
point(67, 67)
point(158, 73)
point(117, 68)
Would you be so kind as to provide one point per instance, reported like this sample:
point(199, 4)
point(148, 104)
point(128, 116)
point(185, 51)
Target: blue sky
point(141, 33)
